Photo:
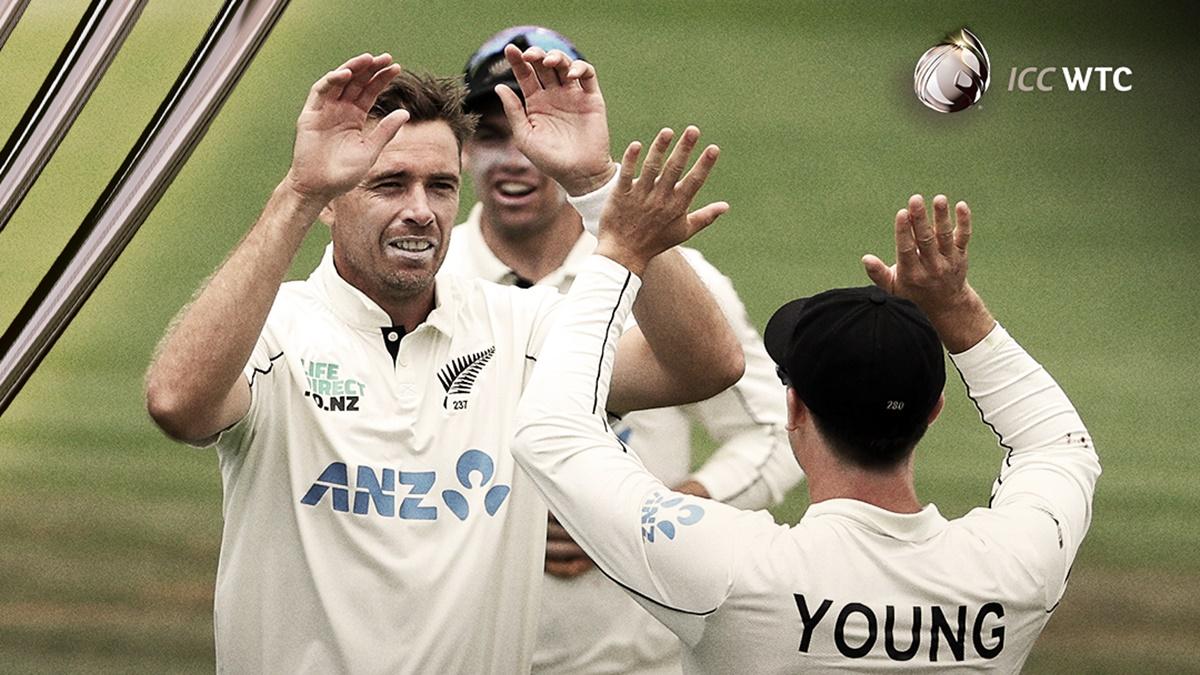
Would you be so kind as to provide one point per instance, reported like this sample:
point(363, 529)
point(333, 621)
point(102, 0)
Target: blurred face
point(518, 200)
point(390, 232)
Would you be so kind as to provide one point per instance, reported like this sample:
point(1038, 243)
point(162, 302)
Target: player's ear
point(937, 408)
point(328, 214)
point(797, 412)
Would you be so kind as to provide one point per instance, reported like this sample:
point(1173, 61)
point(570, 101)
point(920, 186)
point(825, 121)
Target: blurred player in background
point(374, 518)
point(526, 231)
point(869, 579)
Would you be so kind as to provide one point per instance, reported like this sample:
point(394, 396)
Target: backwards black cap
point(487, 67)
point(861, 357)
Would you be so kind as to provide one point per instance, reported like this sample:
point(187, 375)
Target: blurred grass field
point(1086, 236)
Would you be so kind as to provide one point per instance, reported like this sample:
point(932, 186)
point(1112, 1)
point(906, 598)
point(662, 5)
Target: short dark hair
point(867, 448)
point(428, 99)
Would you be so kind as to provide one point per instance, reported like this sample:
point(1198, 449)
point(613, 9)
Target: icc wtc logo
point(953, 75)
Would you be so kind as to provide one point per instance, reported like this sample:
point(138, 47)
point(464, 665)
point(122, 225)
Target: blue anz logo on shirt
point(661, 514)
point(376, 489)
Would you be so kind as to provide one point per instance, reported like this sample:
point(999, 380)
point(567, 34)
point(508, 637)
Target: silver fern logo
point(953, 75)
point(458, 376)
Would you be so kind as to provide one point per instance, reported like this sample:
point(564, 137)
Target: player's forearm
point(201, 359)
point(686, 330)
point(598, 490)
point(1050, 463)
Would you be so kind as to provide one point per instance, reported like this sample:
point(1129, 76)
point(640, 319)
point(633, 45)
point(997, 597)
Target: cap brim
point(781, 327)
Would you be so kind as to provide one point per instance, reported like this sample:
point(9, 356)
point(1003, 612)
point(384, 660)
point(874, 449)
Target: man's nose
point(416, 210)
point(514, 159)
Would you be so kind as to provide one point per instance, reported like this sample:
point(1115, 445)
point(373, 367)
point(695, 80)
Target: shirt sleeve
point(753, 466)
point(591, 205)
point(1048, 475)
point(673, 552)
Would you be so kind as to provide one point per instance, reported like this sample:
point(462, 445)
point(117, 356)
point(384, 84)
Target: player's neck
point(891, 490)
point(410, 311)
point(534, 255)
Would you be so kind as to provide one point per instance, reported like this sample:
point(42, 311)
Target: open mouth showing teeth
point(412, 246)
point(514, 189)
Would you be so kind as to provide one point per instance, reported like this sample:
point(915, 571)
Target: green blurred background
point(1086, 236)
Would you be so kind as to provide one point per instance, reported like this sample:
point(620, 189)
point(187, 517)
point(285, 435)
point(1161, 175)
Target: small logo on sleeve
point(664, 514)
point(458, 376)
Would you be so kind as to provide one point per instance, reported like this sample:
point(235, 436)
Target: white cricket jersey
point(851, 586)
point(588, 624)
point(374, 519)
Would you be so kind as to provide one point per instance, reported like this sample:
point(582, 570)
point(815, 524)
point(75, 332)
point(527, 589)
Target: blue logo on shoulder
point(664, 514)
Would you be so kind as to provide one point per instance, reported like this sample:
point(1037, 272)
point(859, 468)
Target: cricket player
point(375, 521)
point(869, 579)
point(527, 229)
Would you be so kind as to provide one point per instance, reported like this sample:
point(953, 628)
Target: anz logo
point(664, 515)
point(418, 501)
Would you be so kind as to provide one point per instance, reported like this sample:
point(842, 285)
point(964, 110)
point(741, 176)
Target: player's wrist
point(294, 198)
point(614, 250)
point(589, 180)
point(962, 320)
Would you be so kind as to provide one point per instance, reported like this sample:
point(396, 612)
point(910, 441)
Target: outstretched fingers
point(962, 233)
point(921, 227)
point(698, 175)
point(518, 119)
point(526, 77)
point(705, 216)
point(386, 129)
point(880, 273)
point(536, 58)
point(365, 67)
point(375, 86)
point(678, 160)
point(558, 61)
point(584, 73)
point(328, 88)
point(654, 158)
point(906, 243)
point(629, 166)
point(943, 225)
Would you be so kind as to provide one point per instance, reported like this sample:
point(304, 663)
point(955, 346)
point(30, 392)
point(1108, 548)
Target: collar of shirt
point(356, 309)
point(903, 526)
point(487, 266)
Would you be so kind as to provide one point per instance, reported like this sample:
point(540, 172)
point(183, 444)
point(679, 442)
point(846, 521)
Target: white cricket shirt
point(851, 586)
point(375, 521)
point(588, 624)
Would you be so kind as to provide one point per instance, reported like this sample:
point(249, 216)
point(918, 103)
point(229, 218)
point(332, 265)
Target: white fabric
point(591, 205)
point(368, 527)
point(842, 589)
point(587, 623)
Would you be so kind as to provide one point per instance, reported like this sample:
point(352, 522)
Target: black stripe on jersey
point(652, 600)
point(999, 438)
point(603, 345)
point(259, 371)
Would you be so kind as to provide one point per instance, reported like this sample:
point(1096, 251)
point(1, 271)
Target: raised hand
point(335, 143)
point(931, 270)
point(563, 126)
point(648, 214)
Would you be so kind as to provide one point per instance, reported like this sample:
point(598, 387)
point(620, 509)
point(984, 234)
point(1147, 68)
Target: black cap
point(861, 357)
point(487, 67)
